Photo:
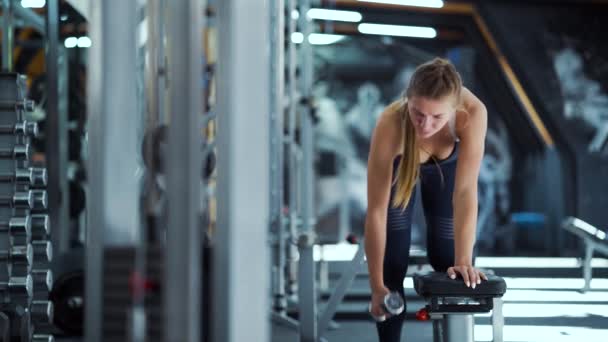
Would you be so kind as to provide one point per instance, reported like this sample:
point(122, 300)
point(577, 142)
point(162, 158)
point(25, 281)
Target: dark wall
point(528, 34)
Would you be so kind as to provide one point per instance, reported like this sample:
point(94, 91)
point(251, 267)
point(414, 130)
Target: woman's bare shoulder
point(389, 130)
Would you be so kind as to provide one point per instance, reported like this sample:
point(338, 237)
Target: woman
point(436, 134)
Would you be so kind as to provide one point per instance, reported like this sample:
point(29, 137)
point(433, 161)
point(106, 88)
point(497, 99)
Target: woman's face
point(428, 115)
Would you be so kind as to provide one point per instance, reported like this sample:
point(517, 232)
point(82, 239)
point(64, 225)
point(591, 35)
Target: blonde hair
point(435, 80)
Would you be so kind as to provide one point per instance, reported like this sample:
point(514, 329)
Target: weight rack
point(26, 314)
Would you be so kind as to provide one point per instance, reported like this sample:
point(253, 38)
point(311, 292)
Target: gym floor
point(570, 316)
point(546, 307)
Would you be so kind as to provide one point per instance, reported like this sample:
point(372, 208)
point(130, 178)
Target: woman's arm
point(472, 138)
point(384, 147)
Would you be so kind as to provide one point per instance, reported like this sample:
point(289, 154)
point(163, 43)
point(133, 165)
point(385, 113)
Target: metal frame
point(346, 280)
point(8, 37)
point(277, 92)
point(594, 240)
point(13, 14)
point(113, 200)
point(241, 253)
point(306, 270)
point(301, 208)
point(184, 236)
point(292, 148)
point(56, 132)
point(498, 320)
point(30, 17)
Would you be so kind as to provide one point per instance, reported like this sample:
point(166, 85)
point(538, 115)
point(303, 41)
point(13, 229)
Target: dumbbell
point(25, 104)
point(20, 199)
point(18, 227)
point(42, 282)
point(41, 200)
point(392, 304)
point(42, 256)
point(19, 152)
point(21, 257)
point(17, 287)
point(42, 312)
point(41, 226)
point(43, 338)
point(20, 128)
point(33, 176)
point(31, 199)
point(43, 252)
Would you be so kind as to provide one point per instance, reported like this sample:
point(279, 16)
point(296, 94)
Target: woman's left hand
point(471, 276)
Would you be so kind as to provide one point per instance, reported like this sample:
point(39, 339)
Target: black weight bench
point(451, 305)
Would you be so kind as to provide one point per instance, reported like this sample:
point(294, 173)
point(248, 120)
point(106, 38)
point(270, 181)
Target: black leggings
point(436, 189)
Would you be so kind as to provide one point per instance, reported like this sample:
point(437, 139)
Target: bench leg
point(459, 328)
point(587, 266)
point(438, 330)
point(498, 321)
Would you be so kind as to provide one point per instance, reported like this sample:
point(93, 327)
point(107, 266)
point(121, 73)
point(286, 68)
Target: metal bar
point(56, 136)
point(113, 201)
point(344, 208)
point(8, 35)
point(346, 280)
point(459, 327)
point(438, 330)
point(587, 270)
point(599, 140)
point(306, 271)
point(184, 238)
point(30, 17)
point(498, 320)
point(292, 152)
point(137, 320)
point(277, 75)
point(153, 45)
point(285, 321)
point(155, 94)
point(241, 250)
point(307, 290)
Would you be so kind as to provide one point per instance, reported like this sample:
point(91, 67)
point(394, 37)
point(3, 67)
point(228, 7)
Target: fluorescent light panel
point(418, 3)
point(84, 42)
point(33, 3)
point(398, 30)
point(295, 15)
point(70, 42)
point(320, 39)
point(81, 42)
point(335, 15)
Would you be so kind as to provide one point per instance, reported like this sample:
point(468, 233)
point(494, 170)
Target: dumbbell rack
point(26, 314)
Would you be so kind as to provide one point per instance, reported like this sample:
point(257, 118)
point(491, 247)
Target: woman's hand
point(471, 276)
point(376, 305)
